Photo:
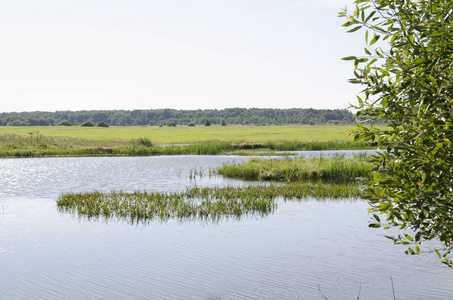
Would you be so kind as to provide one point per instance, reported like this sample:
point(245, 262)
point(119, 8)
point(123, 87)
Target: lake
point(290, 254)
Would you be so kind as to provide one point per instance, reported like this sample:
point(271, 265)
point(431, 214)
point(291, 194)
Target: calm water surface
point(48, 255)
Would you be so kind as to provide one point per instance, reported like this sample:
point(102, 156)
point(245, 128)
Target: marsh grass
point(316, 145)
point(35, 144)
point(144, 141)
point(203, 204)
point(333, 169)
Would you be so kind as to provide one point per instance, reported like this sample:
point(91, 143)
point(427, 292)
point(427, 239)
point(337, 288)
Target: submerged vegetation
point(332, 169)
point(196, 203)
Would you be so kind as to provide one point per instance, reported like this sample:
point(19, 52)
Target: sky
point(180, 54)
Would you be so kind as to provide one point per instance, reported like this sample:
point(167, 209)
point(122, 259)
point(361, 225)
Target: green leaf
point(355, 29)
point(374, 39)
point(349, 58)
point(355, 81)
point(374, 225)
point(376, 217)
point(347, 24)
point(370, 16)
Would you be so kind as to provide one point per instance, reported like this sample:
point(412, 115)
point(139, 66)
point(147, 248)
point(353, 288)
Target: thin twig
point(393, 288)
point(319, 288)
point(360, 289)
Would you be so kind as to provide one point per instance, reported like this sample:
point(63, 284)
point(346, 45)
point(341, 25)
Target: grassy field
point(197, 134)
point(152, 140)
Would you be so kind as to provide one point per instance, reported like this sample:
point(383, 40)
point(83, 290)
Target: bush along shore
point(205, 204)
point(37, 145)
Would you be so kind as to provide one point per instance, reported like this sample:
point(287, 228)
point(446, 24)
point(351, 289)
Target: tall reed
point(336, 169)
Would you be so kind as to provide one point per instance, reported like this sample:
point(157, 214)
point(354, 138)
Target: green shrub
point(171, 124)
point(191, 124)
point(102, 124)
point(64, 123)
point(207, 123)
point(88, 124)
point(223, 123)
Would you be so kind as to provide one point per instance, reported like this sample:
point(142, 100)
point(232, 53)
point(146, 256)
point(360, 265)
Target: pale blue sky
point(183, 54)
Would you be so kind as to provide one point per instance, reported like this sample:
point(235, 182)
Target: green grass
point(36, 145)
point(241, 140)
point(210, 204)
point(333, 169)
point(197, 134)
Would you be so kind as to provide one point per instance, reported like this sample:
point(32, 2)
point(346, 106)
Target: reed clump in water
point(195, 203)
point(333, 169)
point(144, 206)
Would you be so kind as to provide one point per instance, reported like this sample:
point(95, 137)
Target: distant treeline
point(244, 116)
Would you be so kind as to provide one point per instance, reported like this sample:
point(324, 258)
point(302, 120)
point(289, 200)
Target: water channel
point(302, 247)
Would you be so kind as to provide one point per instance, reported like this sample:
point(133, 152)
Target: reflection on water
point(44, 177)
point(48, 255)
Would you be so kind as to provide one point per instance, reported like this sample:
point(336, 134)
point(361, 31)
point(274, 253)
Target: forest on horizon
point(156, 117)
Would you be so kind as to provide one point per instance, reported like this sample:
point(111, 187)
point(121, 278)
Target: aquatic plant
point(335, 169)
point(196, 203)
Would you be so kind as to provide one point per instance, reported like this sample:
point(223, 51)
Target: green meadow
point(196, 134)
point(21, 141)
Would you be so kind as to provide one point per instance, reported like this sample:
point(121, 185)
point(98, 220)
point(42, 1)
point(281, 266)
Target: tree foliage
point(182, 117)
point(407, 74)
